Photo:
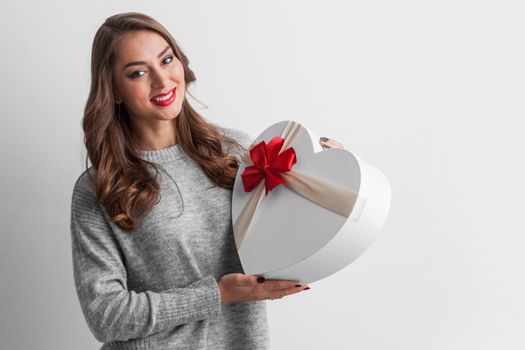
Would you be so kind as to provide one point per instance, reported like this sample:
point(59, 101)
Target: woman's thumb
point(247, 280)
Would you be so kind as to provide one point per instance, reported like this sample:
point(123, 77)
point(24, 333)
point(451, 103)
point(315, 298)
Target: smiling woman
point(154, 259)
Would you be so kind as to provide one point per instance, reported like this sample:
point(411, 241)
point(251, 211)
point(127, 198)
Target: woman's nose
point(160, 79)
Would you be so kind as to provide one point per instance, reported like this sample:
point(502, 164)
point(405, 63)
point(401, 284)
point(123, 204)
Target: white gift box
point(329, 208)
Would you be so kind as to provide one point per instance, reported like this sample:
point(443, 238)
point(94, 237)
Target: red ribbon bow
point(268, 163)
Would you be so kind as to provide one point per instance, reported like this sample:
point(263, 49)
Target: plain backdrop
point(429, 92)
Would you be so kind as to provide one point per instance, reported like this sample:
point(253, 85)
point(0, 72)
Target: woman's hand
point(240, 287)
point(330, 143)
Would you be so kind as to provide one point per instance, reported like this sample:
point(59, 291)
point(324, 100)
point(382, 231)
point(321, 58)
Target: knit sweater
point(155, 287)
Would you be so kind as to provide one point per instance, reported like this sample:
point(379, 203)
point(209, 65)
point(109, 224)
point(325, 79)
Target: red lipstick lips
point(165, 102)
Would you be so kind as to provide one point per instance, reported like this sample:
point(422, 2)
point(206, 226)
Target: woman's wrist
point(222, 292)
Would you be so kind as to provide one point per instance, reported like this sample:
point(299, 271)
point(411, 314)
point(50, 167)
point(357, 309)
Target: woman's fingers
point(275, 285)
point(294, 290)
point(260, 288)
point(277, 289)
point(240, 287)
point(280, 293)
point(242, 280)
point(330, 143)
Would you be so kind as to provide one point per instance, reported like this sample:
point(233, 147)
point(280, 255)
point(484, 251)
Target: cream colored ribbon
point(327, 194)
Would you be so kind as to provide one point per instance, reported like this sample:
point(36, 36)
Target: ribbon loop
point(268, 162)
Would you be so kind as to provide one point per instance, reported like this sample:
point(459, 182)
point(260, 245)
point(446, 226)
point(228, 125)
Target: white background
point(429, 92)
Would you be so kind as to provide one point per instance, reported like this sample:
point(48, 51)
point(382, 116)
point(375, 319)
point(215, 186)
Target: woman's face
point(146, 66)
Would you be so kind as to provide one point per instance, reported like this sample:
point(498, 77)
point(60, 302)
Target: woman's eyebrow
point(136, 63)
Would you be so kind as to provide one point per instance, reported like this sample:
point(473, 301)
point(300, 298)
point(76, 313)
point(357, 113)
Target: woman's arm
point(111, 310)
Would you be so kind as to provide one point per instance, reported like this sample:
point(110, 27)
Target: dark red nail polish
point(297, 285)
point(306, 288)
point(261, 279)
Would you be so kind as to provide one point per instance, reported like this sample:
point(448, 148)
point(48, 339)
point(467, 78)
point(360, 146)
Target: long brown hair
point(122, 183)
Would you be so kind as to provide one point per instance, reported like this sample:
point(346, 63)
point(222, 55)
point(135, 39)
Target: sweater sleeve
point(113, 312)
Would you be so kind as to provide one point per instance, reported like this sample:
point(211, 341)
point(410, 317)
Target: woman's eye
point(135, 74)
point(169, 57)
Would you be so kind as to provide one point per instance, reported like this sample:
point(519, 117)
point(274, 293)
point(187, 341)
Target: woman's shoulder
point(83, 181)
point(83, 188)
point(84, 205)
point(241, 136)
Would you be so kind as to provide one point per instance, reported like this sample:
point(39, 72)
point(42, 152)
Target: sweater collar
point(163, 155)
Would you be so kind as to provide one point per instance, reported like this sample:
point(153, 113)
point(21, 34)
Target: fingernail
point(306, 288)
point(297, 285)
point(261, 279)
point(324, 139)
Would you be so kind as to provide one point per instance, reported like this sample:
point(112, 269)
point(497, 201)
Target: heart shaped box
point(292, 237)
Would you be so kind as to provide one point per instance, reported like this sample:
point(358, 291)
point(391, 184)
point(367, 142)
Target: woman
point(154, 259)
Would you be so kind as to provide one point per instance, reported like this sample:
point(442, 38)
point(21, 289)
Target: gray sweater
point(155, 287)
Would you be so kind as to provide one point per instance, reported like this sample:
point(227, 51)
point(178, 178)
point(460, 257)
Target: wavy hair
point(122, 183)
